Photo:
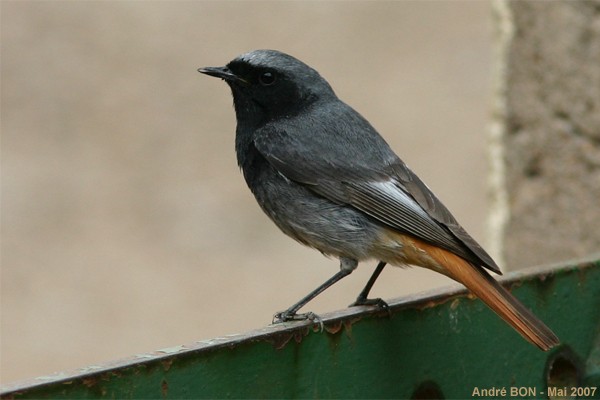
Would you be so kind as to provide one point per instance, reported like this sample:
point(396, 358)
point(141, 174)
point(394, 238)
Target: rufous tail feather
point(478, 281)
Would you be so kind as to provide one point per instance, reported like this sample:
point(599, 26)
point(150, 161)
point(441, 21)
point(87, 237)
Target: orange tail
point(478, 281)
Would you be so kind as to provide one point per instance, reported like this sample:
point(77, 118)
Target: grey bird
point(327, 179)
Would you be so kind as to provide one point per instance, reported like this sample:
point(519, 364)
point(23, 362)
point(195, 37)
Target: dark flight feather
point(366, 174)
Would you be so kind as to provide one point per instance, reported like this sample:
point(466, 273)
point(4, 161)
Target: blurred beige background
point(126, 224)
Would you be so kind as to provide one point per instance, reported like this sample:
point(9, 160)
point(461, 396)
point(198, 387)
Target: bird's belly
point(334, 229)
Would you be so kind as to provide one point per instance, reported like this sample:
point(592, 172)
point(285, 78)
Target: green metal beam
point(444, 345)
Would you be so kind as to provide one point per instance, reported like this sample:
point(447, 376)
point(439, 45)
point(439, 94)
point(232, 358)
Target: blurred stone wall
point(548, 119)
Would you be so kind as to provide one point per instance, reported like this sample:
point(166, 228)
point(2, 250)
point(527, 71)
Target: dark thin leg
point(290, 313)
point(362, 298)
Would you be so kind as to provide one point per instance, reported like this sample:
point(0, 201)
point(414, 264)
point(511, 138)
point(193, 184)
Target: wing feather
point(362, 171)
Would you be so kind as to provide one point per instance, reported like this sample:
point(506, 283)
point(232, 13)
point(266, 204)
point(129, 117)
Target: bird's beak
point(223, 73)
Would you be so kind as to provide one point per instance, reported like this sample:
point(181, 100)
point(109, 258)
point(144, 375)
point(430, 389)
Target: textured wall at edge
point(552, 132)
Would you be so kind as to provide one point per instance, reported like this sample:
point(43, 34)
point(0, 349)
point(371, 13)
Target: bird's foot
point(284, 316)
point(379, 303)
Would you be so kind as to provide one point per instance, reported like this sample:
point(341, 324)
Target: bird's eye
point(266, 78)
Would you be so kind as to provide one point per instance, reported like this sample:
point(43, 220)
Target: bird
point(322, 173)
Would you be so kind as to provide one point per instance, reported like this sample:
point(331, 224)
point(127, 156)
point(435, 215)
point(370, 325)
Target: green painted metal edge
point(442, 345)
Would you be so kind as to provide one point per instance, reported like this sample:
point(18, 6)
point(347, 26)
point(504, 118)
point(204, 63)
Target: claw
point(285, 316)
point(279, 317)
point(379, 303)
point(316, 319)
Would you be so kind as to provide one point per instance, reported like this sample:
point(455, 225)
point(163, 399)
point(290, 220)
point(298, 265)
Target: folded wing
point(363, 172)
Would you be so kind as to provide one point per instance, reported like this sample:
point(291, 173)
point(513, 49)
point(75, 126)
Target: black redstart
point(327, 179)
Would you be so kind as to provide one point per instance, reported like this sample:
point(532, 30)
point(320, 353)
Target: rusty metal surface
point(423, 332)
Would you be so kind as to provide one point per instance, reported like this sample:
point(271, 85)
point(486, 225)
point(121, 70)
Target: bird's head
point(268, 84)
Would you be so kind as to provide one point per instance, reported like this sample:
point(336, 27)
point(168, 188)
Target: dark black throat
point(249, 159)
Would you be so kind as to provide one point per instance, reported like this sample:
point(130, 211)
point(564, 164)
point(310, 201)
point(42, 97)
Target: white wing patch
point(391, 190)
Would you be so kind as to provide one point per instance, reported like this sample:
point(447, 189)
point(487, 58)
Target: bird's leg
point(362, 299)
point(346, 267)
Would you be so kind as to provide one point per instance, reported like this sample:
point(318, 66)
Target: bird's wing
point(359, 169)
point(406, 190)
